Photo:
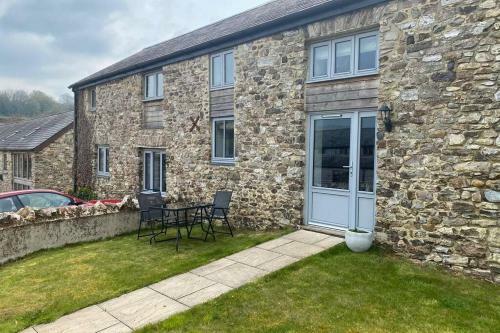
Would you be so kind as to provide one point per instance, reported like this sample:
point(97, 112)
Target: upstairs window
point(344, 57)
point(222, 70)
point(153, 85)
point(103, 161)
point(92, 99)
point(223, 140)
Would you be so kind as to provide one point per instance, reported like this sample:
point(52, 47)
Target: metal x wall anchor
point(195, 124)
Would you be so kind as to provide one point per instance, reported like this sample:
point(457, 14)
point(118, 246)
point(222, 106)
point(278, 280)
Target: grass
point(48, 284)
point(340, 291)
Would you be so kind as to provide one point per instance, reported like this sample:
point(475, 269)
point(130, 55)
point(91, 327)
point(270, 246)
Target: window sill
point(93, 109)
point(222, 88)
point(223, 163)
point(153, 99)
point(344, 77)
point(104, 175)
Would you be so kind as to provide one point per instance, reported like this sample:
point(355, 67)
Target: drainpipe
point(75, 138)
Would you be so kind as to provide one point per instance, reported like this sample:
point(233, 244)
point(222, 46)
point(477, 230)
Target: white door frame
point(354, 159)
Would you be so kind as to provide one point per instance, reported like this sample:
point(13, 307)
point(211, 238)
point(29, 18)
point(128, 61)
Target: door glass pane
point(228, 68)
point(320, 61)
point(229, 138)
point(367, 154)
point(216, 71)
point(164, 173)
point(156, 171)
point(332, 143)
point(147, 171)
point(343, 57)
point(367, 53)
point(219, 139)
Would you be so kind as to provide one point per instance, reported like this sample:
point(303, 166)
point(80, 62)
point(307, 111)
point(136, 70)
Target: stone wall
point(438, 171)
point(6, 182)
point(53, 164)
point(29, 230)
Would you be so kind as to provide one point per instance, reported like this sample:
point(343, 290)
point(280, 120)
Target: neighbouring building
point(37, 153)
point(333, 114)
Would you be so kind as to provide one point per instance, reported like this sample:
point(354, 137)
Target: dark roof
point(34, 133)
point(234, 27)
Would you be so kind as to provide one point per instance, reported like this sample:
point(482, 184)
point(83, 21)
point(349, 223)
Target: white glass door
point(342, 170)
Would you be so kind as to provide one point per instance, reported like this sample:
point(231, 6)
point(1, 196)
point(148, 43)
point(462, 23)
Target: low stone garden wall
point(28, 230)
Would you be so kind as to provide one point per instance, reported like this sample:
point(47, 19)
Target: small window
point(155, 171)
point(103, 161)
point(153, 85)
point(223, 140)
point(222, 70)
point(344, 57)
point(92, 99)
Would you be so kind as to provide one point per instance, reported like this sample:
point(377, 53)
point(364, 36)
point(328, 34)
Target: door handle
point(347, 166)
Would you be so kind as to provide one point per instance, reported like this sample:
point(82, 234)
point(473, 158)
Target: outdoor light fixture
point(386, 117)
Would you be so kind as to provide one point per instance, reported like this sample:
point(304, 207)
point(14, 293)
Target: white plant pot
point(358, 241)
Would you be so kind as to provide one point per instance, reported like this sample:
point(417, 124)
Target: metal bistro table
point(177, 216)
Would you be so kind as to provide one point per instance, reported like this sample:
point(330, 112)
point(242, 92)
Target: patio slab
point(91, 319)
point(307, 237)
point(179, 293)
point(278, 263)
point(298, 249)
point(182, 285)
point(236, 275)
point(142, 307)
point(253, 256)
point(213, 267)
point(204, 295)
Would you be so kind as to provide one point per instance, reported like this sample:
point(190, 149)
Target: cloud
point(50, 44)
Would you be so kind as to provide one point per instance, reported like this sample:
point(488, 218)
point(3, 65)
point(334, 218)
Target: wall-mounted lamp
point(386, 117)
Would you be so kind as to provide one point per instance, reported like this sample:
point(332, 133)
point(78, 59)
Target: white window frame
point(354, 58)
point(158, 94)
point(223, 84)
point(151, 168)
point(93, 99)
point(103, 173)
point(223, 160)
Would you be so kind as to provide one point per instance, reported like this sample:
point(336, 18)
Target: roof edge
point(288, 22)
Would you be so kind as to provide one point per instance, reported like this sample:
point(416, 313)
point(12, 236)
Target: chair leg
point(139, 231)
point(228, 224)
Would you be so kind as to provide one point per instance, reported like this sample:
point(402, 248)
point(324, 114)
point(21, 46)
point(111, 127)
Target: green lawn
point(340, 291)
point(48, 284)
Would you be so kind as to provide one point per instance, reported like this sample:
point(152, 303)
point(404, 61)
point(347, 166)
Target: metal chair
point(150, 205)
point(219, 211)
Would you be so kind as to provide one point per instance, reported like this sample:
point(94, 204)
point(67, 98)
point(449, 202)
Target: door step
point(328, 231)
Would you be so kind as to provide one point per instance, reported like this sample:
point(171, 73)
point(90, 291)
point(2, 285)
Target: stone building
point(332, 114)
point(37, 153)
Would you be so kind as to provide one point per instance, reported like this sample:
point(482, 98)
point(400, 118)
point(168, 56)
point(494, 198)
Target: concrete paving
point(161, 300)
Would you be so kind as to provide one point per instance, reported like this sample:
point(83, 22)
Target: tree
point(20, 104)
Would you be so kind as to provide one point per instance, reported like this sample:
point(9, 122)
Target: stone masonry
point(437, 191)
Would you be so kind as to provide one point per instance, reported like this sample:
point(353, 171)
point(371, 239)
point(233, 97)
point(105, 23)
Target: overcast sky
point(49, 44)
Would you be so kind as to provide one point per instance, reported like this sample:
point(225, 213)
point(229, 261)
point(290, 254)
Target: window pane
point(320, 61)
point(367, 53)
point(14, 162)
point(219, 139)
point(93, 98)
point(156, 171)
point(159, 91)
point(150, 86)
point(216, 71)
point(229, 139)
point(29, 167)
point(147, 171)
point(228, 68)
point(43, 200)
point(366, 154)
point(164, 172)
point(331, 153)
point(106, 160)
point(343, 57)
point(101, 160)
point(25, 166)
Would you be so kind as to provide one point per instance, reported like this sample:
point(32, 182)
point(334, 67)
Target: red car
point(15, 200)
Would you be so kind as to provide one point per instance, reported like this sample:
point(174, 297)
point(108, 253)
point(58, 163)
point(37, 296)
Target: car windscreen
point(7, 205)
point(44, 200)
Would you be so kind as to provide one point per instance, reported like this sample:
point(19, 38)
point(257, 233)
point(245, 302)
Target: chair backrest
point(150, 199)
point(222, 199)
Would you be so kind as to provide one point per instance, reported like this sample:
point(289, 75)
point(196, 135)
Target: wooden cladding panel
point(222, 103)
point(342, 95)
point(153, 117)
